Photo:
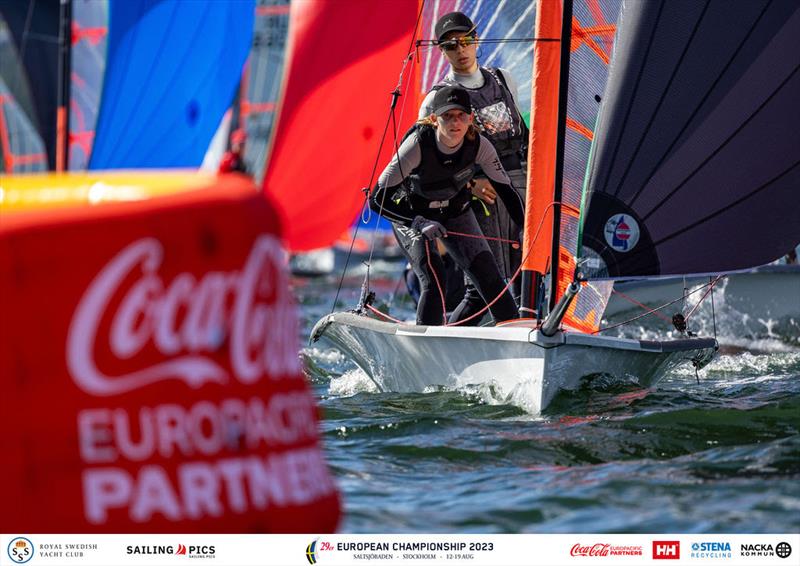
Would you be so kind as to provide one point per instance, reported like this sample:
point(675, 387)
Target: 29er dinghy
point(692, 157)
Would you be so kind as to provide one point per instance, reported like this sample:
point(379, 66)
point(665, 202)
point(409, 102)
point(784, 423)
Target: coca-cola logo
point(593, 550)
point(605, 549)
point(249, 308)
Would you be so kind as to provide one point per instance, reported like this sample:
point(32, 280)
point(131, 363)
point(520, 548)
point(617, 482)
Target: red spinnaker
point(344, 62)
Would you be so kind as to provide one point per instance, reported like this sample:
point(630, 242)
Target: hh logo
point(666, 549)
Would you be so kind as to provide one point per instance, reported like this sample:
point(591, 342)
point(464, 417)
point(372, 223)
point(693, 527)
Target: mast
point(563, 91)
point(548, 115)
point(64, 72)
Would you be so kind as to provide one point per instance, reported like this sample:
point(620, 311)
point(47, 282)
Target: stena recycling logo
point(622, 232)
point(148, 315)
point(20, 550)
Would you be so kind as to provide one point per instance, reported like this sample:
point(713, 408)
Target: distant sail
point(261, 82)
point(21, 145)
point(35, 27)
point(172, 70)
point(89, 43)
point(696, 167)
point(335, 105)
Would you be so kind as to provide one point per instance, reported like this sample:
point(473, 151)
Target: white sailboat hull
point(408, 358)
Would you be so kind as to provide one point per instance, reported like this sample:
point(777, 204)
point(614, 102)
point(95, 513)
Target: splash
point(351, 383)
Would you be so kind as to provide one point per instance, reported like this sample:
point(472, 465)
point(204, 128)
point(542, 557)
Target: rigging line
point(366, 196)
point(516, 274)
point(665, 305)
point(731, 205)
point(436, 278)
point(429, 57)
point(730, 138)
point(479, 41)
point(632, 97)
point(390, 118)
point(26, 30)
point(710, 289)
point(383, 314)
point(662, 98)
point(700, 105)
point(365, 205)
point(645, 307)
point(713, 312)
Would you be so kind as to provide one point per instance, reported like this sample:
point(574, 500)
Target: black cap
point(454, 21)
point(451, 97)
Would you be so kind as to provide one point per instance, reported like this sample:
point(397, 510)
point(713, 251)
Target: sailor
point(493, 96)
point(233, 159)
point(424, 192)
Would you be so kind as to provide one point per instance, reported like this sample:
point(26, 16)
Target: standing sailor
point(493, 96)
point(424, 192)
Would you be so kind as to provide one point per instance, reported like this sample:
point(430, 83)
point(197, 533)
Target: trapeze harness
point(436, 188)
point(497, 116)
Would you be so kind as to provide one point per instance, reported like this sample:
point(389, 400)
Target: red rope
point(438, 285)
point(384, 315)
point(510, 281)
point(645, 307)
point(514, 243)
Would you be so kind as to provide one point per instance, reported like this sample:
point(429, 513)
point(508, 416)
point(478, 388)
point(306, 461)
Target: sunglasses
point(453, 44)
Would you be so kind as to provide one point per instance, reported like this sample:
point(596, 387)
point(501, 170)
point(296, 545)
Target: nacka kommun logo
point(20, 550)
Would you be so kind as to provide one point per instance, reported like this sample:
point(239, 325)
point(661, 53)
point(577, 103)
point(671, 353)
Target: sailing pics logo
point(20, 550)
point(622, 232)
point(191, 551)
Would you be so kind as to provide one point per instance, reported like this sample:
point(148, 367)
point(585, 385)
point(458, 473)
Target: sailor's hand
point(483, 189)
point(429, 228)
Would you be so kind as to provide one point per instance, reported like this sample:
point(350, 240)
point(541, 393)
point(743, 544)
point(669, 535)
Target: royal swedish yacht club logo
point(20, 550)
point(622, 232)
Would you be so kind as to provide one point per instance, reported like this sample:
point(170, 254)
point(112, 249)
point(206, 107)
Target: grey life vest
point(440, 176)
point(496, 114)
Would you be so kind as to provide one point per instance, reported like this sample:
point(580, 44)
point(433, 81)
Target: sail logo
point(622, 232)
point(185, 321)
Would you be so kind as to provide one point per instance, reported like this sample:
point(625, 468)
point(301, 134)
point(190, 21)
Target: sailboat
point(692, 171)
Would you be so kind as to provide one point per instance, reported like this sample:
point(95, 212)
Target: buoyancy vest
point(496, 113)
point(439, 176)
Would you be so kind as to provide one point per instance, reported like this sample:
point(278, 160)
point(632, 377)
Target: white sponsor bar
point(421, 549)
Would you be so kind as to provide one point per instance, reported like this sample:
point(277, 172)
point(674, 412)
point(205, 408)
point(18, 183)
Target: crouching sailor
point(424, 191)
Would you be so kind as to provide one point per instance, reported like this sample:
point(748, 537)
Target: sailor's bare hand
point(484, 190)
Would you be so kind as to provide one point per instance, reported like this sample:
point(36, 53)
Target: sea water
point(714, 452)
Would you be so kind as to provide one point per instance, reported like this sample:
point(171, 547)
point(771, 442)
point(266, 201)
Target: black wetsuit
point(427, 179)
point(501, 122)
